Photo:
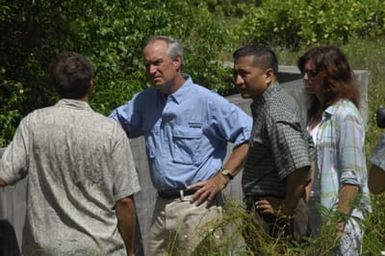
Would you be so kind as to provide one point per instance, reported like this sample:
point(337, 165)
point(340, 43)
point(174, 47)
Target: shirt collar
point(332, 109)
point(183, 91)
point(270, 90)
point(76, 104)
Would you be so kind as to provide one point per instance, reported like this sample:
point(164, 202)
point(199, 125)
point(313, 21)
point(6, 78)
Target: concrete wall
point(12, 207)
point(12, 199)
point(290, 77)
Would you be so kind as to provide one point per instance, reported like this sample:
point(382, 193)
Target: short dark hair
point(72, 74)
point(264, 57)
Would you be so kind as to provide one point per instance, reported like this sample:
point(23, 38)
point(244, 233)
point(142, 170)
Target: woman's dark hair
point(71, 75)
point(338, 78)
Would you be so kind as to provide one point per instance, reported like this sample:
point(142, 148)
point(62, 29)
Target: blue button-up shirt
point(186, 133)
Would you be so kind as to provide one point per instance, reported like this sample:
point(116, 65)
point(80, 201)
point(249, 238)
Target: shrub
point(295, 22)
point(111, 34)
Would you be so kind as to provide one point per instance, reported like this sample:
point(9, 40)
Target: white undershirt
point(313, 132)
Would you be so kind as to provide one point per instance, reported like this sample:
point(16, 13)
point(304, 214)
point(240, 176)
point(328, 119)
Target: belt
point(174, 194)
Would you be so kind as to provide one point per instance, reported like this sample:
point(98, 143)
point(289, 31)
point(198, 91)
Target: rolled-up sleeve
point(126, 181)
point(129, 118)
point(229, 121)
point(351, 157)
point(290, 147)
point(14, 162)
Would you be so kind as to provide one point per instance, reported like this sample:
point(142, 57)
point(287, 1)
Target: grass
point(235, 220)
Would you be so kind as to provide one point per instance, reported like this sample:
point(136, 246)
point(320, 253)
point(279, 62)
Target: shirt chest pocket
point(186, 145)
point(151, 139)
point(257, 138)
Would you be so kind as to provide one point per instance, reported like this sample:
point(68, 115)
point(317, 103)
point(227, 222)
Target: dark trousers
point(8, 241)
point(295, 228)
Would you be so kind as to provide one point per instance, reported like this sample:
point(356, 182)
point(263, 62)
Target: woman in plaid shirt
point(338, 131)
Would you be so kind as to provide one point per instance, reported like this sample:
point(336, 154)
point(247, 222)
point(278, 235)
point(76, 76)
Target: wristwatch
point(227, 173)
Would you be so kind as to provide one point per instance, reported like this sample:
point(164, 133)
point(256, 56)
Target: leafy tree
point(306, 22)
point(111, 34)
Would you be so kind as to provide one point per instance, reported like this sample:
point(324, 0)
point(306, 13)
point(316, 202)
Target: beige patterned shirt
point(78, 164)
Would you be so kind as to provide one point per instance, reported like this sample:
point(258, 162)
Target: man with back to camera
point(81, 175)
point(278, 161)
point(186, 129)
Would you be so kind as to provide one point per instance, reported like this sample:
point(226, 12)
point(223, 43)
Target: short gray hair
point(174, 49)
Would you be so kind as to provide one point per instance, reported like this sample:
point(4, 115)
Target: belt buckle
point(181, 194)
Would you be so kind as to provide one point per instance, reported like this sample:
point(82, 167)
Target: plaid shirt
point(279, 144)
point(340, 154)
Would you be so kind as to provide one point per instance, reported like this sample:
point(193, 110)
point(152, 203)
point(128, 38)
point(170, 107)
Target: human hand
point(340, 229)
point(308, 193)
point(206, 190)
point(274, 206)
point(342, 218)
point(268, 205)
point(265, 207)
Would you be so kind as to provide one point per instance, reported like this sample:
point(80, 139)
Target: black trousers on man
point(293, 228)
point(8, 241)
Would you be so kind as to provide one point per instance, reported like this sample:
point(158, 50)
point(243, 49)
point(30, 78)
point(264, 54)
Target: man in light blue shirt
point(186, 129)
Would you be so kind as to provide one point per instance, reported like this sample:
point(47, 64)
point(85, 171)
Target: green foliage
point(14, 93)
point(307, 22)
point(231, 8)
point(234, 238)
point(111, 34)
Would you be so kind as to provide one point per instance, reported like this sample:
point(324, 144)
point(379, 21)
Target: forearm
point(3, 183)
point(234, 163)
point(237, 158)
point(295, 185)
point(346, 198)
point(309, 186)
point(125, 211)
point(312, 174)
point(209, 188)
point(376, 180)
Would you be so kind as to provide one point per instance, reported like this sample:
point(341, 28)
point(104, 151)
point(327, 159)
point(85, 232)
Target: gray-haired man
point(186, 129)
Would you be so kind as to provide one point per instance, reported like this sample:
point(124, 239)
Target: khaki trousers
point(178, 226)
